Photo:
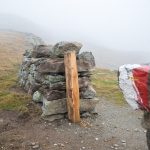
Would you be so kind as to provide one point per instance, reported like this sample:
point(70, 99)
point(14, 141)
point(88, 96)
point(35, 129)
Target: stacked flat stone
point(42, 74)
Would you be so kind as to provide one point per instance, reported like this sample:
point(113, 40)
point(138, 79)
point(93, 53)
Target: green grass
point(11, 99)
point(106, 84)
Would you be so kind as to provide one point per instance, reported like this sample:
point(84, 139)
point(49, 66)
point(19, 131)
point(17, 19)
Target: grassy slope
point(11, 50)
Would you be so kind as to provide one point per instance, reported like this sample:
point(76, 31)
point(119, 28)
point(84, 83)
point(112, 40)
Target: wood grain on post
point(72, 86)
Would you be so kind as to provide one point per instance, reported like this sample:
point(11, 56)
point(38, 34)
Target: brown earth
point(115, 127)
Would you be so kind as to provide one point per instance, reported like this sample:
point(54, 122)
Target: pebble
point(96, 139)
point(33, 143)
point(62, 145)
point(69, 124)
point(103, 123)
point(1, 120)
point(144, 131)
point(83, 147)
point(136, 130)
point(124, 144)
point(47, 138)
point(105, 140)
point(82, 141)
point(35, 146)
point(49, 124)
point(55, 144)
point(123, 141)
point(116, 145)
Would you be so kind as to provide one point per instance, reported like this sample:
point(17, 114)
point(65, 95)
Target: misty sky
point(120, 25)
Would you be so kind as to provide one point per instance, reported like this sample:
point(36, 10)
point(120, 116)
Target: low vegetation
point(106, 84)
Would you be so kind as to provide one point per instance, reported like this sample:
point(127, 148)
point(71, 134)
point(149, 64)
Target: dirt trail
point(116, 127)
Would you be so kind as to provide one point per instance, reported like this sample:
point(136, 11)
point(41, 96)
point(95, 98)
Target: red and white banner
point(134, 81)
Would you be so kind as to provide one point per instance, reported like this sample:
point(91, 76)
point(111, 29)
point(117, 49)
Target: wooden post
point(72, 86)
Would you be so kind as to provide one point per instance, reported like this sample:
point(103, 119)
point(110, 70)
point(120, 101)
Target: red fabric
point(141, 77)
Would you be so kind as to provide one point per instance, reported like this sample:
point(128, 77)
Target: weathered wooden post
point(72, 86)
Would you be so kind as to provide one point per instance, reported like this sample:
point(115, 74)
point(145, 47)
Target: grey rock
point(85, 62)
point(88, 93)
point(52, 66)
point(31, 79)
point(57, 66)
point(28, 53)
point(43, 51)
point(57, 82)
point(54, 78)
point(32, 69)
point(54, 95)
point(60, 48)
point(86, 115)
point(37, 97)
point(87, 56)
point(88, 105)
point(51, 118)
point(53, 107)
point(53, 86)
point(59, 106)
point(83, 82)
point(35, 146)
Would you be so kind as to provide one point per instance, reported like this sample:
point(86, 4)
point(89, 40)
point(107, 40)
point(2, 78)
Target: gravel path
point(115, 127)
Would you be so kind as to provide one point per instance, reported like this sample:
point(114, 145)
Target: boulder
point(52, 66)
point(57, 65)
point(51, 118)
point(88, 93)
point(59, 106)
point(37, 97)
point(87, 57)
point(54, 95)
point(43, 51)
point(58, 82)
point(60, 48)
point(53, 107)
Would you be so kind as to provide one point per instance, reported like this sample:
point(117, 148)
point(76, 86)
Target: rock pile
point(42, 74)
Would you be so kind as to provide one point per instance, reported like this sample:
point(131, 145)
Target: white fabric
point(126, 84)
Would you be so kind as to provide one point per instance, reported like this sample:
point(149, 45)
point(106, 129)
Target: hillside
point(12, 47)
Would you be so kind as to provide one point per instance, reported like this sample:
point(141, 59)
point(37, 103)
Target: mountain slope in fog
point(12, 47)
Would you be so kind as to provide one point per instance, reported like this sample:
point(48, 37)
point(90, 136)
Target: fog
point(116, 31)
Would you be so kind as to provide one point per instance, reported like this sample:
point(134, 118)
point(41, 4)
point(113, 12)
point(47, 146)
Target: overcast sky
point(122, 25)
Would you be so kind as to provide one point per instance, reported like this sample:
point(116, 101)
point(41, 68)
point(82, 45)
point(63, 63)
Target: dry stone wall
point(42, 74)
